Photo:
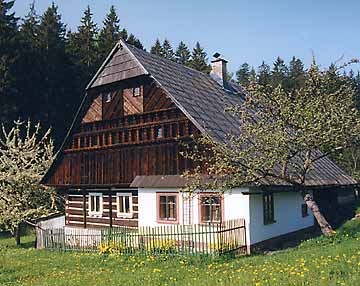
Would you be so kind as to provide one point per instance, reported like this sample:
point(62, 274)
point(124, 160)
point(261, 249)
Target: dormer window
point(136, 91)
point(108, 97)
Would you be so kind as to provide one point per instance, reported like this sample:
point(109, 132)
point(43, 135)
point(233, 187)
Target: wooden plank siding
point(94, 112)
point(113, 152)
point(119, 166)
point(74, 211)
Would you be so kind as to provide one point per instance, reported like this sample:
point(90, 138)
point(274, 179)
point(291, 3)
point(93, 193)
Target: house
point(121, 164)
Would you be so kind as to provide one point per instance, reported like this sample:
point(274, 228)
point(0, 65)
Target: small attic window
point(159, 132)
point(108, 97)
point(136, 91)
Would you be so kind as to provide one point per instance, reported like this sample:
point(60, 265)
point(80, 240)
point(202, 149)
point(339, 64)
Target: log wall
point(77, 210)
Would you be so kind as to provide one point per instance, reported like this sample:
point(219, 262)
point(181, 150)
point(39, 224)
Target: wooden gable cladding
point(113, 106)
point(118, 101)
point(155, 98)
point(94, 113)
point(121, 65)
point(133, 103)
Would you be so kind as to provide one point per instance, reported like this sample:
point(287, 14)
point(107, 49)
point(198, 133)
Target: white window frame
point(120, 214)
point(108, 97)
point(94, 213)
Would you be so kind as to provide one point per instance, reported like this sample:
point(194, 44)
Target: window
point(108, 97)
point(304, 210)
point(159, 132)
point(136, 91)
point(95, 204)
point(210, 209)
point(124, 204)
point(268, 208)
point(167, 208)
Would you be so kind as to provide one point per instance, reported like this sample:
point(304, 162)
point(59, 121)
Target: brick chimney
point(219, 70)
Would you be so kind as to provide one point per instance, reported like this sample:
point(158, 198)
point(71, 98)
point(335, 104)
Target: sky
point(240, 30)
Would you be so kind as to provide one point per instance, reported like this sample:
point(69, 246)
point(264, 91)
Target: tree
point(280, 137)
point(264, 74)
point(8, 57)
point(243, 75)
point(25, 156)
point(167, 50)
point(199, 59)
point(182, 54)
point(157, 49)
point(110, 34)
point(279, 73)
point(83, 47)
point(132, 40)
point(29, 66)
point(58, 96)
point(296, 74)
point(86, 42)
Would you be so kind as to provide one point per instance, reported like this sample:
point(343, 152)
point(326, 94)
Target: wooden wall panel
point(119, 166)
point(133, 104)
point(155, 98)
point(94, 112)
point(74, 213)
point(114, 108)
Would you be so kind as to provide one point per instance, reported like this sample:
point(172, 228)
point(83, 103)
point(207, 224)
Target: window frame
point(122, 214)
point(108, 97)
point(268, 208)
point(304, 210)
point(93, 213)
point(167, 221)
point(222, 209)
point(135, 93)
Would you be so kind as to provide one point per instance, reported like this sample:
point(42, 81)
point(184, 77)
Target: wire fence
point(213, 239)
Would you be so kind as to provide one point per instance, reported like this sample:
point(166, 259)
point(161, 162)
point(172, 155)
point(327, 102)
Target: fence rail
point(214, 239)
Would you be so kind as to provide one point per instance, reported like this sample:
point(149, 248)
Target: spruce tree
point(83, 48)
point(8, 56)
point(132, 40)
point(157, 49)
point(243, 74)
point(264, 74)
point(296, 74)
point(87, 40)
point(279, 73)
point(29, 66)
point(199, 59)
point(110, 34)
point(58, 99)
point(124, 34)
point(252, 76)
point(182, 54)
point(168, 51)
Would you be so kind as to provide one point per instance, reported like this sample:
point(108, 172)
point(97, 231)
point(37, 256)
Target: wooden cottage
point(120, 163)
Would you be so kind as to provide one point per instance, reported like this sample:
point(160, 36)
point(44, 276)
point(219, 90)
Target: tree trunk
point(313, 206)
point(17, 235)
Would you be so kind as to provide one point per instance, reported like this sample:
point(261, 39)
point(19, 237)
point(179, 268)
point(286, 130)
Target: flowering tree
point(25, 155)
point(283, 134)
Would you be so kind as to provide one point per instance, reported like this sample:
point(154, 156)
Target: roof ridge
point(167, 60)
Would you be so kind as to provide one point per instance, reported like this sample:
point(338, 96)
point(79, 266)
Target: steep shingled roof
point(200, 98)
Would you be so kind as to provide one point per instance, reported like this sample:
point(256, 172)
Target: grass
point(319, 261)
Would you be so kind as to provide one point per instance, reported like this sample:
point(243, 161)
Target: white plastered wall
point(236, 205)
point(287, 212)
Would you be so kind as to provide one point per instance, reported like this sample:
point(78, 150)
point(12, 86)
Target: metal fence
point(214, 239)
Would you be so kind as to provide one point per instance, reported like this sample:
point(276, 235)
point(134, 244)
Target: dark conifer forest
point(45, 67)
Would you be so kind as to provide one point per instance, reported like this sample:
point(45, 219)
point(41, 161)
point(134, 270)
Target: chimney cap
point(217, 58)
